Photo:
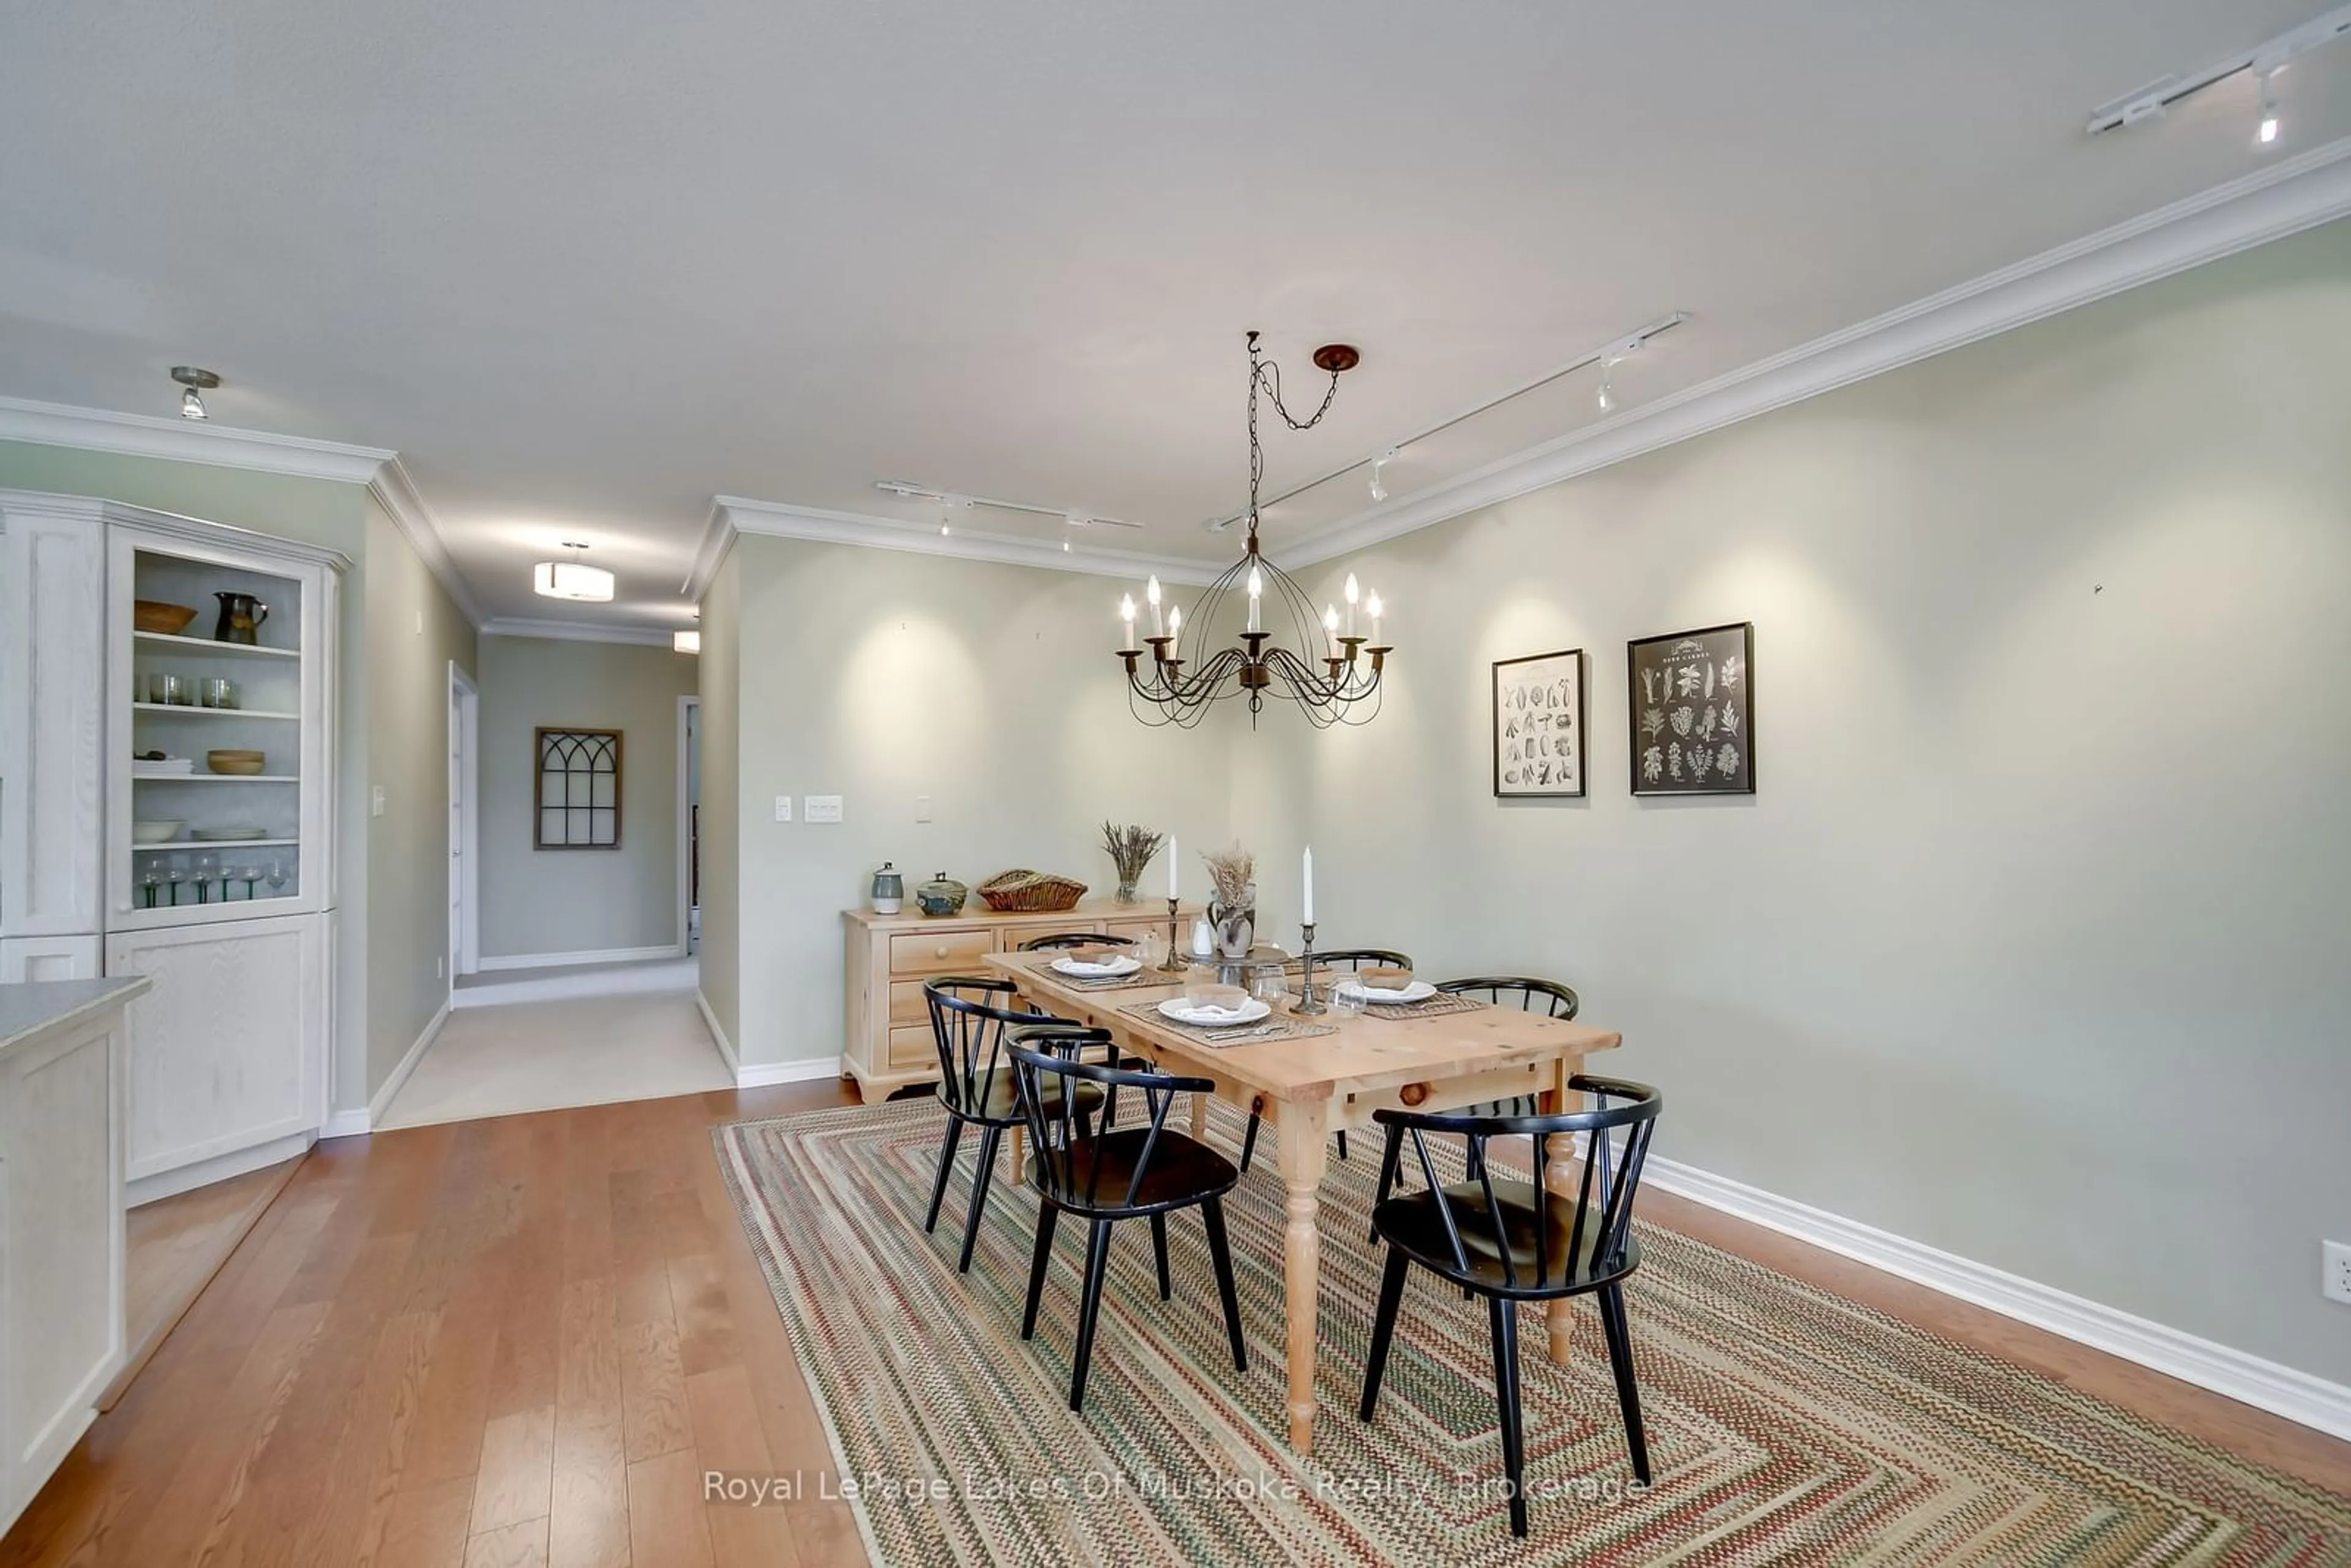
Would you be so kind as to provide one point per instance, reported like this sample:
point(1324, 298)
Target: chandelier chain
point(1268, 376)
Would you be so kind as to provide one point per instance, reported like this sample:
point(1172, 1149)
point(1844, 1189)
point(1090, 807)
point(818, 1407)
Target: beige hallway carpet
point(548, 1056)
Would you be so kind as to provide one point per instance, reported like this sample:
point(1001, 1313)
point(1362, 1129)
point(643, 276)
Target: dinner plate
point(229, 834)
point(1080, 969)
point(1251, 1010)
point(1418, 991)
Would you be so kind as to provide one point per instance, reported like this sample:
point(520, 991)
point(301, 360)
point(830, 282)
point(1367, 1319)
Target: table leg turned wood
point(1302, 1136)
point(1019, 1143)
point(1559, 1175)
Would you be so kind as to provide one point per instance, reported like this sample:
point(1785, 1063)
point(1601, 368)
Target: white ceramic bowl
point(155, 832)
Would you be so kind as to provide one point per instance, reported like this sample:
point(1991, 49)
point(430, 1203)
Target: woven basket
point(1030, 892)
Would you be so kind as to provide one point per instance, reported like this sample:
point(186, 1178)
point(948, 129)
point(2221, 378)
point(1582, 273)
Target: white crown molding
point(2284, 199)
point(2266, 1384)
point(97, 510)
point(395, 490)
point(572, 632)
point(733, 515)
point(186, 440)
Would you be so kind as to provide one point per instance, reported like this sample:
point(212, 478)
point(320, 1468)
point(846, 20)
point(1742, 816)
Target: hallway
point(552, 1055)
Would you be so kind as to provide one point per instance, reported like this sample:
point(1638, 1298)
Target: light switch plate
point(922, 808)
point(375, 801)
point(823, 808)
point(783, 807)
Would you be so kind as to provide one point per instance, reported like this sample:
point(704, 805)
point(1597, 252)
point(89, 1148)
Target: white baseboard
point(219, 1167)
point(760, 1074)
point(606, 956)
point(718, 1035)
point(2265, 1384)
point(347, 1124)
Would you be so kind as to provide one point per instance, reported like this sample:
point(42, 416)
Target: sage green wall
point(880, 676)
point(579, 901)
point(414, 631)
point(722, 796)
point(315, 511)
point(2031, 945)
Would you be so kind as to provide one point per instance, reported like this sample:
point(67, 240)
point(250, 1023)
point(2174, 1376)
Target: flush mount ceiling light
point(573, 578)
point(1332, 677)
point(2264, 60)
point(197, 383)
point(1604, 357)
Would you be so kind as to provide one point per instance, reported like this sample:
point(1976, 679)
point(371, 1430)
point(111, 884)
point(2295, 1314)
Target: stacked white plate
point(1201, 1016)
point(1079, 969)
point(169, 768)
point(1418, 991)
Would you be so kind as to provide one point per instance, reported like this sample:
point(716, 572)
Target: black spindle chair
point(1354, 959)
point(1512, 1241)
point(1530, 995)
point(968, 1018)
point(1074, 939)
point(1125, 1173)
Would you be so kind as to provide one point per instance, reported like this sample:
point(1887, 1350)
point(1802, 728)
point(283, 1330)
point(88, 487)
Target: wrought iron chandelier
point(1341, 684)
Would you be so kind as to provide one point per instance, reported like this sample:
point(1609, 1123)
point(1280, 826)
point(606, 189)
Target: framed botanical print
point(577, 790)
point(1692, 699)
point(1539, 725)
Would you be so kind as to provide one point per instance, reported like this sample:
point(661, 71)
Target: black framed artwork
point(1539, 725)
point(1692, 698)
point(577, 796)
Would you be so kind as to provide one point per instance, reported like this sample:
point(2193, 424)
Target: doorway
point(465, 826)
point(689, 825)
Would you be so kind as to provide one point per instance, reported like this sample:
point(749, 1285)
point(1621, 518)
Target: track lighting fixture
point(2264, 60)
point(950, 499)
point(197, 383)
point(1379, 466)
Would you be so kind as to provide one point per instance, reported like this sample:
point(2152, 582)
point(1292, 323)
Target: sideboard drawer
point(914, 1048)
point(907, 1005)
point(939, 952)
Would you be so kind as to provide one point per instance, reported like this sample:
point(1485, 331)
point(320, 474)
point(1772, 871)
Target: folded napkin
point(1203, 1013)
point(1089, 966)
point(1375, 993)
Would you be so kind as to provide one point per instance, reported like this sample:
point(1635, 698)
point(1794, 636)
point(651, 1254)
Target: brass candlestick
point(1306, 1003)
point(1174, 963)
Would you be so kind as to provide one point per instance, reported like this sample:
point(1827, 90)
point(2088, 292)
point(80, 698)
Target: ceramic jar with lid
point(889, 890)
point(942, 896)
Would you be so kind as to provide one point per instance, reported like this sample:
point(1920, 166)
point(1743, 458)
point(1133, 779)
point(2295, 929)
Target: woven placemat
point(1264, 1031)
point(1149, 974)
point(1442, 1002)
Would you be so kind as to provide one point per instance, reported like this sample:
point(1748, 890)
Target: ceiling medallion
point(1338, 685)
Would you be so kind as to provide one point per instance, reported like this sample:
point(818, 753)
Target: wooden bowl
point(1383, 977)
point(242, 762)
point(1226, 996)
point(154, 615)
point(1095, 953)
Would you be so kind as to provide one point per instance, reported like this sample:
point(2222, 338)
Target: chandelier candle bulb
point(1126, 618)
point(1353, 594)
point(1331, 627)
point(1150, 592)
point(1374, 607)
point(1175, 629)
point(1257, 593)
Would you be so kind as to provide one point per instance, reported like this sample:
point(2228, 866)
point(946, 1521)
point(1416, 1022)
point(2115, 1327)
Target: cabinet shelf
point(206, 645)
point(185, 710)
point(216, 778)
point(181, 846)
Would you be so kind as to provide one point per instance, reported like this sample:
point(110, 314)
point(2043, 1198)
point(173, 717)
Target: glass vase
point(1126, 894)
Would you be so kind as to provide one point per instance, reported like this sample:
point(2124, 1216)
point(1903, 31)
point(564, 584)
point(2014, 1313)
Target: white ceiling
point(587, 263)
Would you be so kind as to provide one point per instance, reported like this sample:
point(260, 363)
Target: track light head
point(196, 382)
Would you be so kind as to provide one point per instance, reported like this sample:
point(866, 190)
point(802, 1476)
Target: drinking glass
point(174, 874)
point(217, 691)
point(163, 688)
point(151, 880)
point(276, 878)
point(207, 867)
point(1346, 1001)
point(1270, 987)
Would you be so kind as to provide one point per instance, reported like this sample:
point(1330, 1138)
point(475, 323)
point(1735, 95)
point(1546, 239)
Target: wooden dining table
point(1312, 1087)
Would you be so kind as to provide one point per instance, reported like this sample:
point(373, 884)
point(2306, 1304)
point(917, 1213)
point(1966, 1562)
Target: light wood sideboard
point(889, 955)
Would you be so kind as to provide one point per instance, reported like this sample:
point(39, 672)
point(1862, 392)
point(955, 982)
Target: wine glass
point(276, 878)
point(250, 876)
point(174, 875)
point(151, 880)
point(208, 867)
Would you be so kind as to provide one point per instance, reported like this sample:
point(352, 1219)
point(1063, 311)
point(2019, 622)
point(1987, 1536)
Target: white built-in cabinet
point(227, 1055)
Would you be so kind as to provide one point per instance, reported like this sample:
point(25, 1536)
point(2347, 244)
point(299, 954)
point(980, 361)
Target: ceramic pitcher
point(241, 615)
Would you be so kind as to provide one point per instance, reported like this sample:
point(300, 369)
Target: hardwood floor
point(522, 1341)
point(171, 1249)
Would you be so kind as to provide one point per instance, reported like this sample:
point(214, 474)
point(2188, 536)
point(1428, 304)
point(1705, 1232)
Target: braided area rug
point(1786, 1424)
